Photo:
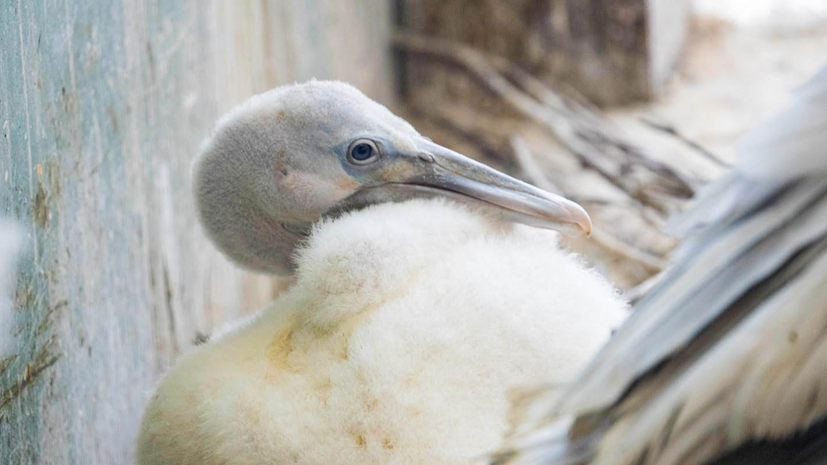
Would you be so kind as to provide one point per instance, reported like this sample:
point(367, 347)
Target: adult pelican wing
point(725, 360)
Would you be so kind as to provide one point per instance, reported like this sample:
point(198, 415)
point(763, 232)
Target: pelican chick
point(420, 296)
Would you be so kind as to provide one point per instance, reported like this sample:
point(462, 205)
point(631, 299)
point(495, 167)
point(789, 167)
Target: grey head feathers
point(291, 156)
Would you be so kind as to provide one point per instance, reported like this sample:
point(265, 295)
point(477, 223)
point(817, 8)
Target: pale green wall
point(102, 107)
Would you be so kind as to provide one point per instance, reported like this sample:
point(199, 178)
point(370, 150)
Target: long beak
point(452, 173)
point(435, 171)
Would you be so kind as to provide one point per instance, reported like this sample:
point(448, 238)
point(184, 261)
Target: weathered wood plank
point(611, 51)
point(102, 107)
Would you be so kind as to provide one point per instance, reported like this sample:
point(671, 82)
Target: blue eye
point(362, 151)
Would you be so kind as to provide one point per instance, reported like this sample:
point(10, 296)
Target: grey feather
point(711, 276)
point(805, 449)
point(792, 144)
point(727, 352)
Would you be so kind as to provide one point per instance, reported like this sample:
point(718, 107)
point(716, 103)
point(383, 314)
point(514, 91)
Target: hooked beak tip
point(587, 228)
point(582, 220)
point(576, 216)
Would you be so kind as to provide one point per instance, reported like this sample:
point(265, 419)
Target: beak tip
point(587, 226)
point(581, 219)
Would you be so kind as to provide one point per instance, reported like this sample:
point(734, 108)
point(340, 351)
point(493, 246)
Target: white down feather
point(406, 329)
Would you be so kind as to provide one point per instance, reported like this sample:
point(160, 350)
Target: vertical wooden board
point(597, 47)
point(324, 39)
point(668, 23)
point(611, 51)
point(102, 107)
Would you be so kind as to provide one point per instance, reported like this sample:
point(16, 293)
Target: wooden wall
point(102, 107)
point(611, 51)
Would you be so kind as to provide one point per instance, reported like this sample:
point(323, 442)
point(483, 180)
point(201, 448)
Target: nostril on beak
point(426, 157)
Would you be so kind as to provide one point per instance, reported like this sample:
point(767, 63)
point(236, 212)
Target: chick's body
point(406, 328)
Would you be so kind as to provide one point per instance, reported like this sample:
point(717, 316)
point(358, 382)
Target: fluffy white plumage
point(406, 328)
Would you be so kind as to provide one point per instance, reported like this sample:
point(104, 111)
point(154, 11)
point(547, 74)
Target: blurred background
point(626, 106)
